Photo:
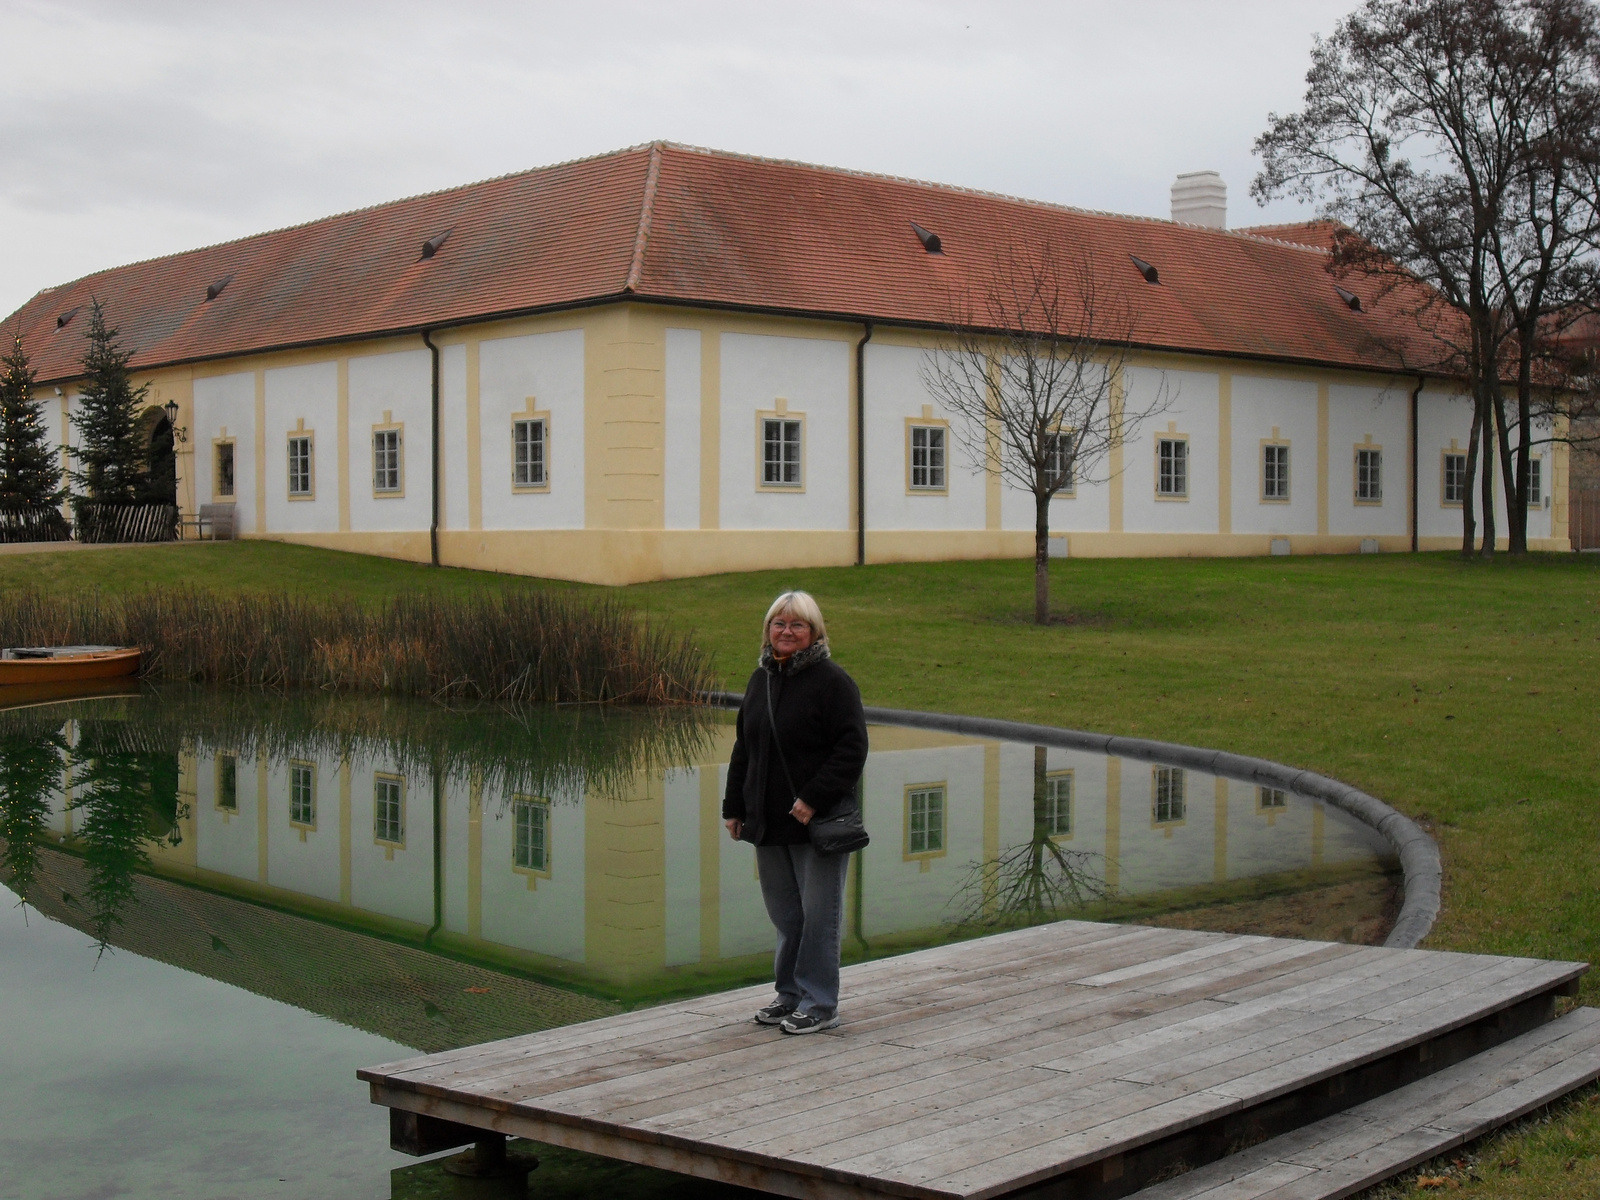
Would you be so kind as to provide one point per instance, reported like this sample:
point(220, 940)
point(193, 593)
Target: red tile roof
point(678, 224)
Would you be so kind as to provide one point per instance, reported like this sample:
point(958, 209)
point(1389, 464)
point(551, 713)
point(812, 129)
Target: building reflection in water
point(588, 848)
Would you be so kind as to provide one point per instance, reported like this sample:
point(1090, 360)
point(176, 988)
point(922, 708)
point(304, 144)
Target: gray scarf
point(799, 661)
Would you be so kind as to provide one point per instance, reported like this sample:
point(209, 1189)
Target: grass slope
point(1462, 693)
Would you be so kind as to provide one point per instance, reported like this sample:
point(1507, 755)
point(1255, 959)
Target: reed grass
point(510, 648)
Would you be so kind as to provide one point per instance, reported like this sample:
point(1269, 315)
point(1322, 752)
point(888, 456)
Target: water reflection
point(580, 848)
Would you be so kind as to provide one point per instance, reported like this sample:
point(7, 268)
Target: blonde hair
point(796, 604)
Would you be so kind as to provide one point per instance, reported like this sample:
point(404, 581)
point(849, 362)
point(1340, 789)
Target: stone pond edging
point(1419, 855)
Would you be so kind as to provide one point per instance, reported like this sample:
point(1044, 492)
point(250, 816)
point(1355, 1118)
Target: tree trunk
point(1469, 518)
point(1041, 560)
point(1515, 483)
point(1486, 488)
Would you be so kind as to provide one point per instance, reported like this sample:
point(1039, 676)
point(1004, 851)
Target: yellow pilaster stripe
point(710, 432)
point(1224, 453)
point(1114, 455)
point(475, 858)
point(1113, 823)
point(1322, 458)
point(711, 832)
point(261, 454)
point(991, 825)
point(261, 819)
point(1219, 852)
point(343, 375)
point(474, 442)
point(344, 831)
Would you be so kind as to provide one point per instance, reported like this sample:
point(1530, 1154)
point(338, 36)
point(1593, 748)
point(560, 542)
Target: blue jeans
point(804, 894)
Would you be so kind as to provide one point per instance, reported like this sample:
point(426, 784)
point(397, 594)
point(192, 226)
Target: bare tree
point(1448, 139)
point(1034, 367)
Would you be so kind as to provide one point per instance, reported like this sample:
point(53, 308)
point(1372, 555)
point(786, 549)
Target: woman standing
point(800, 744)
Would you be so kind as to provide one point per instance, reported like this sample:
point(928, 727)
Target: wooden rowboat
point(55, 664)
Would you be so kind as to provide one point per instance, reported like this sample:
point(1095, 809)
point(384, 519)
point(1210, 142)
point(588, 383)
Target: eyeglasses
point(790, 626)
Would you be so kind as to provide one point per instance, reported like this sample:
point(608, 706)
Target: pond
point(235, 900)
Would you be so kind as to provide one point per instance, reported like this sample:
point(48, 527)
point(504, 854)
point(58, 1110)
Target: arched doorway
point(161, 464)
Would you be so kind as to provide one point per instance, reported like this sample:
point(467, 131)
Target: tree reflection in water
point(31, 763)
point(1037, 881)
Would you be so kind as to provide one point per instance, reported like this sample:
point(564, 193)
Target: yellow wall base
point(623, 556)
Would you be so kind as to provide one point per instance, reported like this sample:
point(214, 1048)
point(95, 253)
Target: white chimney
point(1200, 198)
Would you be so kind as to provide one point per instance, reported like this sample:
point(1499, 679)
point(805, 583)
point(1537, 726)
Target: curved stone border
point(1419, 855)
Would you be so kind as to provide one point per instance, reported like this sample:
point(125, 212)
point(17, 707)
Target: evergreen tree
point(30, 473)
point(113, 453)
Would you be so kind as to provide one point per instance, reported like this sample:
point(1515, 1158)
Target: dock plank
point(976, 1068)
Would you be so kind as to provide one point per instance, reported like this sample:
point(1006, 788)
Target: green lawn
point(1462, 693)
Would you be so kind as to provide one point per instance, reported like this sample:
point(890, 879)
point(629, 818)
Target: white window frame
point(388, 461)
point(928, 465)
point(530, 452)
point(530, 830)
point(1275, 476)
point(389, 790)
point(1172, 467)
point(1444, 479)
point(307, 477)
point(218, 492)
point(1168, 801)
point(1058, 454)
point(1535, 481)
point(1058, 792)
point(1369, 474)
point(927, 811)
point(783, 473)
point(303, 795)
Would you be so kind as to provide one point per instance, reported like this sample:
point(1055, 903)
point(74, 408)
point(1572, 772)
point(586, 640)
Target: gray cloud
point(134, 129)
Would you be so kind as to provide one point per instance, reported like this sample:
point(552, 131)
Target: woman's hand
point(802, 811)
point(735, 827)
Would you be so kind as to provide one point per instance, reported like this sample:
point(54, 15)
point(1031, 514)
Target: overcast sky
point(130, 129)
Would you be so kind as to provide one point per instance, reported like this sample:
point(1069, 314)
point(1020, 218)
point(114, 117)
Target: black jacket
point(823, 732)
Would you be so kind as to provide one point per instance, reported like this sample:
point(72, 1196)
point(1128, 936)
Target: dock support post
point(488, 1160)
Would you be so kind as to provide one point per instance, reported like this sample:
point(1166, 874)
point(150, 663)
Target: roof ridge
point(347, 212)
point(934, 185)
point(646, 210)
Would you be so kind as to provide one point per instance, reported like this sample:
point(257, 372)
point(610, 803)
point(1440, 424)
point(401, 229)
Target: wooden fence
point(127, 523)
point(1583, 520)
point(33, 525)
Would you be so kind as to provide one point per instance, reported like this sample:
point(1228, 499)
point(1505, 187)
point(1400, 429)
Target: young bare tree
point(1033, 367)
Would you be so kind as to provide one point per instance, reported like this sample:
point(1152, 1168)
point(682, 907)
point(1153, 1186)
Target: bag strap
point(772, 721)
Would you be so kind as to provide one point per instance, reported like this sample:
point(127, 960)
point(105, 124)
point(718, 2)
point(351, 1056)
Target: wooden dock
point(1067, 1060)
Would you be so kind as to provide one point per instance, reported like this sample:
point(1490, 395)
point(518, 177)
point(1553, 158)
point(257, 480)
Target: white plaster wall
point(549, 368)
point(1153, 856)
point(1444, 424)
point(226, 842)
point(1259, 405)
point(402, 385)
point(814, 377)
point(1191, 410)
point(398, 885)
point(903, 893)
point(681, 789)
point(453, 437)
point(225, 406)
point(309, 866)
point(742, 925)
point(682, 481)
point(895, 392)
point(1353, 413)
point(547, 917)
point(311, 393)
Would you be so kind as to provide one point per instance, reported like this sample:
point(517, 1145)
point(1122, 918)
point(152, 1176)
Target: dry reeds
point(512, 649)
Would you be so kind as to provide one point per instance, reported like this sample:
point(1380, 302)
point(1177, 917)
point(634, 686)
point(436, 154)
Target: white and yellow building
point(668, 361)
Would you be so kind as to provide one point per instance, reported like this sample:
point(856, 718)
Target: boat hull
point(110, 664)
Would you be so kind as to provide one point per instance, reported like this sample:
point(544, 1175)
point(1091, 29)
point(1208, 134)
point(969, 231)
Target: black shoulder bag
point(841, 831)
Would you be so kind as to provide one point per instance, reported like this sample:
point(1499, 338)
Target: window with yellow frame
point(530, 837)
point(389, 812)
